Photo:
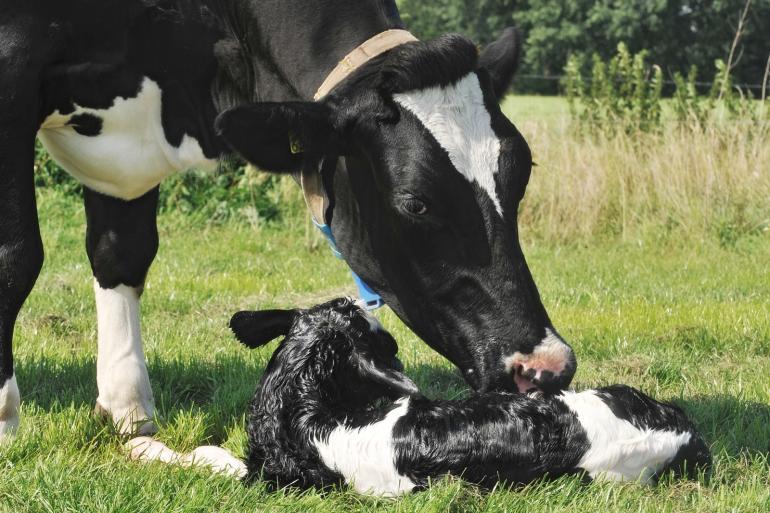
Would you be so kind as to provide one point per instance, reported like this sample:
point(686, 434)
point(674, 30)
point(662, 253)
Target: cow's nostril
point(550, 366)
point(549, 382)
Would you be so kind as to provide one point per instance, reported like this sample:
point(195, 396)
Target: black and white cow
point(422, 172)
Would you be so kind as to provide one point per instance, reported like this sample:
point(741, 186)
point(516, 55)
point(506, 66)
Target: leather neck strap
point(312, 184)
point(366, 51)
point(311, 178)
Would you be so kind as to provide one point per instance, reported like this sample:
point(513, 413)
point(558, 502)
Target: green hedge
point(233, 191)
point(676, 33)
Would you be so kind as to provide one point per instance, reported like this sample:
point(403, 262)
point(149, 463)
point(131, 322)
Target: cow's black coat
point(456, 274)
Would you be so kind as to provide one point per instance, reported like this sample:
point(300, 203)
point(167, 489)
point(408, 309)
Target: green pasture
point(549, 110)
point(686, 321)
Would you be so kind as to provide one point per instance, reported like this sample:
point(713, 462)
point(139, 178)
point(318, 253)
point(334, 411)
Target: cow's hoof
point(10, 401)
point(8, 427)
point(133, 422)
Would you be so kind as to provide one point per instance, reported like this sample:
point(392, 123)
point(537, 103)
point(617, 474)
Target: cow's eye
point(415, 206)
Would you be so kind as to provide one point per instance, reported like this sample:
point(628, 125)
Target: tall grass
point(632, 165)
point(684, 181)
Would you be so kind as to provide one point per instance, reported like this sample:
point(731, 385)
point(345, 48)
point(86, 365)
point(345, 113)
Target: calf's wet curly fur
point(333, 407)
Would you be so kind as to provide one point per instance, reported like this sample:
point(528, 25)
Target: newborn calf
point(334, 407)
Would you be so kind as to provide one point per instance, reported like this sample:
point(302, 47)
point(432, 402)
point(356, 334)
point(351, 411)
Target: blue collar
point(371, 300)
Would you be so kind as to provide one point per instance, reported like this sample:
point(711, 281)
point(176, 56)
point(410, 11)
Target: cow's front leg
point(21, 250)
point(122, 240)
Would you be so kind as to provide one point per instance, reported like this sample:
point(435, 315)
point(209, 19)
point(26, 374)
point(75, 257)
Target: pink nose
point(550, 366)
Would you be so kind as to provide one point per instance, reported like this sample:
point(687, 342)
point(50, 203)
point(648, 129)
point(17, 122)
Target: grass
point(686, 323)
point(652, 292)
point(683, 182)
point(548, 110)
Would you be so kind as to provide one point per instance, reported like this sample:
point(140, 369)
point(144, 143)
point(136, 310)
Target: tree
point(481, 20)
point(676, 33)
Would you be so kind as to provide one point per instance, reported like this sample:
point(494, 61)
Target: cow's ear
point(501, 60)
point(277, 136)
point(255, 329)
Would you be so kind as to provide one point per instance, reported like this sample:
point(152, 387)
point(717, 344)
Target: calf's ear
point(394, 380)
point(255, 329)
point(501, 60)
point(277, 136)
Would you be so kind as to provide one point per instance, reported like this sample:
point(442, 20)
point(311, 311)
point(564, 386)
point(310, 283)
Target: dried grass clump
point(684, 181)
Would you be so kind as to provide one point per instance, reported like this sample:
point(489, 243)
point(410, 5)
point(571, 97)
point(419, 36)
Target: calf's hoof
point(216, 459)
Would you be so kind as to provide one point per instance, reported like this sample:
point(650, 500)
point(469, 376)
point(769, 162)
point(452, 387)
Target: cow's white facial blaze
point(121, 370)
point(458, 119)
point(10, 400)
point(619, 450)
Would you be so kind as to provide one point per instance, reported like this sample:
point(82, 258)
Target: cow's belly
point(125, 154)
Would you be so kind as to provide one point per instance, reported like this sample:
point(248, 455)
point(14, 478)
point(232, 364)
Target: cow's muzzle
point(549, 367)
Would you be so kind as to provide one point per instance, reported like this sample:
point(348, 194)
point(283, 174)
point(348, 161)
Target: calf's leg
point(121, 241)
point(217, 459)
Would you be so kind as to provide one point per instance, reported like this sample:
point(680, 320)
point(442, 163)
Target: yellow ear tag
point(294, 145)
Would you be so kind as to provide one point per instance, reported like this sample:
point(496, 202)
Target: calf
point(334, 407)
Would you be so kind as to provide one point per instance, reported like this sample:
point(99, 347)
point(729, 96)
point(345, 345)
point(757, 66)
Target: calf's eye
point(415, 206)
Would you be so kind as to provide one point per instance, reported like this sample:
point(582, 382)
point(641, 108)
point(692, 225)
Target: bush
point(689, 106)
point(677, 33)
point(624, 93)
point(625, 168)
point(232, 192)
point(677, 184)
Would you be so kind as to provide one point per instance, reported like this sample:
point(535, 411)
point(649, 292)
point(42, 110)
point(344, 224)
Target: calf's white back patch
point(458, 119)
point(620, 451)
point(365, 457)
point(130, 155)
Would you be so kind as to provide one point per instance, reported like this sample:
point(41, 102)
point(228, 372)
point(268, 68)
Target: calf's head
point(336, 349)
point(423, 175)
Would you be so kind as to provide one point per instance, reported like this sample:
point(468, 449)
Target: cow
point(419, 172)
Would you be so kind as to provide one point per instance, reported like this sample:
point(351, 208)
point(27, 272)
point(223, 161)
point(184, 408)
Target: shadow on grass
point(731, 424)
point(52, 383)
point(182, 384)
point(221, 389)
point(438, 382)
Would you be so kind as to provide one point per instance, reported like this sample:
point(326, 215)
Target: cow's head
point(424, 175)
